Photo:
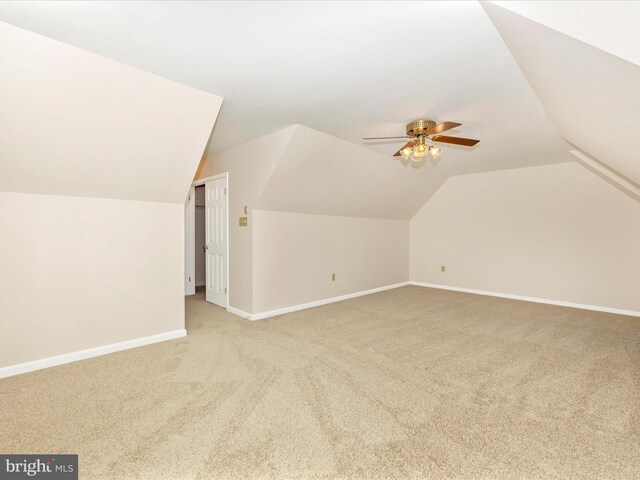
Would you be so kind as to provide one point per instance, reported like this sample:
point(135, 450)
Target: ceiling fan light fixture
point(417, 158)
point(422, 131)
point(420, 151)
point(435, 152)
point(406, 152)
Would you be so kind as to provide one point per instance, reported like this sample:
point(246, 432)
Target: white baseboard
point(88, 353)
point(317, 303)
point(237, 311)
point(530, 299)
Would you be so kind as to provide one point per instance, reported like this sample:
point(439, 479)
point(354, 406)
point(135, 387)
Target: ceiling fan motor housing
point(419, 127)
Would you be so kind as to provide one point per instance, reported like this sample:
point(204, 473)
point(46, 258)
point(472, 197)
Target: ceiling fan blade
point(410, 144)
point(467, 142)
point(384, 138)
point(443, 127)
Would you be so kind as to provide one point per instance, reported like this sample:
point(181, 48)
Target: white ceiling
point(350, 69)
point(609, 25)
point(593, 97)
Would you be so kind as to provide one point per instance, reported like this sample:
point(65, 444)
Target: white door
point(216, 240)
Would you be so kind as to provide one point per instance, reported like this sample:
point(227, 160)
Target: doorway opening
point(207, 239)
point(200, 239)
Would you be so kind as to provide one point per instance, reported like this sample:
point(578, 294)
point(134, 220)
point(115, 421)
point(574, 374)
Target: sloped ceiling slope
point(250, 165)
point(593, 97)
point(74, 123)
point(609, 25)
point(321, 174)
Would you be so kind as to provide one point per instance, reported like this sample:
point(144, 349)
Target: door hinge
point(225, 191)
point(225, 290)
point(189, 278)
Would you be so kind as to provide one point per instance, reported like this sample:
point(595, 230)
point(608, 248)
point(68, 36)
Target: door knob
point(205, 247)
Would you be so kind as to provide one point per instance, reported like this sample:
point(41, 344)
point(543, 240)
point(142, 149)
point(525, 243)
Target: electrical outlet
point(443, 268)
point(333, 277)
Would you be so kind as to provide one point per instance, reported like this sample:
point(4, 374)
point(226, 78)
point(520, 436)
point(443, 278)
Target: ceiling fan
point(423, 131)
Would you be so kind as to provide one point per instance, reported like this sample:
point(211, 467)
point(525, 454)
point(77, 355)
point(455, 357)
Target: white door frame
point(190, 243)
point(190, 235)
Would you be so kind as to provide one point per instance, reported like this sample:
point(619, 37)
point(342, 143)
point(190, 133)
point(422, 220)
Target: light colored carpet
point(408, 383)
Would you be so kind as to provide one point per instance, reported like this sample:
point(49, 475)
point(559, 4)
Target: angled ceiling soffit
point(591, 96)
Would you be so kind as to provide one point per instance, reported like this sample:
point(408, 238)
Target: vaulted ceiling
point(346, 70)
point(349, 69)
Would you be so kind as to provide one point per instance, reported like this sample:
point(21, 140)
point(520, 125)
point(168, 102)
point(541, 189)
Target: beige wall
point(555, 232)
point(77, 273)
point(295, 254)
point(249, 166)
point(284, 259)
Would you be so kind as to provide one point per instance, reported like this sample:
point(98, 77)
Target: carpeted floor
point(407, 383)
